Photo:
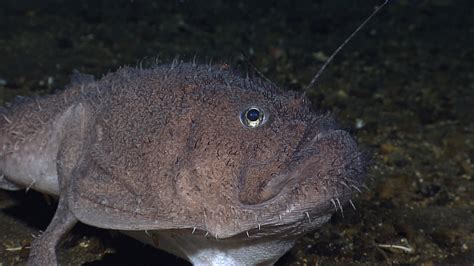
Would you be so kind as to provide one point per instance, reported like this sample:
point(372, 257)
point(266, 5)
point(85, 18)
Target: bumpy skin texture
point(165, 149)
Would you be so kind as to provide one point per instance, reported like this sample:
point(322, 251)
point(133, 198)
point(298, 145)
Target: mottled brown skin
point(165, 149)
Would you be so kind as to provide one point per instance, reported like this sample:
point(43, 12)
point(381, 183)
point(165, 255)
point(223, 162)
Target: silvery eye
point(252, 117)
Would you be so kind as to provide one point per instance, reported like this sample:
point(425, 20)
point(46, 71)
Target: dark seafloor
point(404, 85)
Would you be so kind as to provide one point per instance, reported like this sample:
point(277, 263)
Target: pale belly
point(201, 250)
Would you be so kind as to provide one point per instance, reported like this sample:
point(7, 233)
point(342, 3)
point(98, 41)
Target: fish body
point(193, 159)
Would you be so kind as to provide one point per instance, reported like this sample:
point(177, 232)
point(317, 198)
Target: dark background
point(404, 86)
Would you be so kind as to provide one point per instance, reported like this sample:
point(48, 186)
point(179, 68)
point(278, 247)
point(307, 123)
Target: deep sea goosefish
point(220, 169)
point(192, 159)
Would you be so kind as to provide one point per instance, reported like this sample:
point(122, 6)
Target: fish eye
point(252, 117)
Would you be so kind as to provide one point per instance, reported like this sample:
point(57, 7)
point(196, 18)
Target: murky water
point(404, 85)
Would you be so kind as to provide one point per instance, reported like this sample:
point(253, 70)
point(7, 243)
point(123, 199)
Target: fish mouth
point(318, 180)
